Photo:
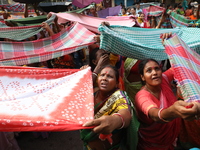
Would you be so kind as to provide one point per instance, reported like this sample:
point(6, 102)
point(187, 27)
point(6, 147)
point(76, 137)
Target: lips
point(155, 78)
point(103, 84)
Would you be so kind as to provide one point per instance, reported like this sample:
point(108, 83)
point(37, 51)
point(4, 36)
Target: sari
point(153, 135)
point(190, 134)
point(118, 100)
point(131, 87)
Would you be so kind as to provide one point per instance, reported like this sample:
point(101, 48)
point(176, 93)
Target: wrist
point(160, 115)
point(122, 120)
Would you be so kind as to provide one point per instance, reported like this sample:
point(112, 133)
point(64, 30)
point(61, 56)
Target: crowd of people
point(127, 88)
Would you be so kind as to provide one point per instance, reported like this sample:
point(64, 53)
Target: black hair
point(115, 70)
point(162, 4)
point(180, 7)
point(133, 8)
point(124, 9)
point(142, 64)
point(93, 56)
point(168, 6)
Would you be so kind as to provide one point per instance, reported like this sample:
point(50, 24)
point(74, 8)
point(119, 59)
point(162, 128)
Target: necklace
point(157, 96)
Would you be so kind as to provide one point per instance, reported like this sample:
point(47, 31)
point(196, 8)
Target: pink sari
point(153, 135)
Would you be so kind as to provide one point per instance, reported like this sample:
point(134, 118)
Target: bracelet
point(123, 122)
point(159, 115)
point(94, 73)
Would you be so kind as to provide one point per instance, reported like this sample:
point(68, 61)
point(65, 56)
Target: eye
point(109, 76)
point(149, 70)
point(157, 68)
point(101, 75)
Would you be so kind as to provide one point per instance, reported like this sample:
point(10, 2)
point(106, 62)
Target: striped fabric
point(155, 10)
point(141, 43)
point(186, 64)
point(24, 32)
point(65, 42)
point(179, 20)
point(92, 23)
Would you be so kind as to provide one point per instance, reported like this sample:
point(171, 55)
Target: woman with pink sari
point(158, 110)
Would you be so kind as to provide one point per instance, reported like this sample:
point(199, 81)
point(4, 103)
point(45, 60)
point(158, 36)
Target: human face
point(100, 53)
point(107, 81)
point(138, 6)
point(123, 11)
point(152, 74)
point(133, 11)
point(142, 16)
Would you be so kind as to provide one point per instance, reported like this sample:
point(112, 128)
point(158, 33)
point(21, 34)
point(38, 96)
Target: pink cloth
point(92, 23)
point(156, 136)
point(120, 17)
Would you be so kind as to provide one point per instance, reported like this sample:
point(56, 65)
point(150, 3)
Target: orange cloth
point(192, 17)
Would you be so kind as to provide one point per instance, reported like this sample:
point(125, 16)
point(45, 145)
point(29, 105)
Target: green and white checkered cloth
point(141, 43)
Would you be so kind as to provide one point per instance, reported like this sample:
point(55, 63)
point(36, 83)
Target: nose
point(154, 71)
point(104, 77)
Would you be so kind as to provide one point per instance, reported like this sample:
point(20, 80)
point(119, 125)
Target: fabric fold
point(186, 65)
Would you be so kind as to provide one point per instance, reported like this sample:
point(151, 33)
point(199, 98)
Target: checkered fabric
point(65, 42)
point(141, 43)
point(17, 7)
point(179, 20)
point(186, 64)
point(155, 10)
point(24, 32)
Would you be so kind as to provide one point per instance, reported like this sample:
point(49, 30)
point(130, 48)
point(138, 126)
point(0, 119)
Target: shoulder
point(142, 95)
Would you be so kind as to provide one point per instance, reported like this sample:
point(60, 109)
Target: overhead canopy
point(54, 6)
point(83, 3)
point(28, 1)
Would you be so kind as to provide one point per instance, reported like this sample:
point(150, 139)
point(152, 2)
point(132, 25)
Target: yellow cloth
point(113, 59)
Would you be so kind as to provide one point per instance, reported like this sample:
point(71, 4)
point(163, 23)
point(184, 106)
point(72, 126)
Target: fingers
point(97, 38)
point(94, 122)
point(84, 67)
point(105, 24)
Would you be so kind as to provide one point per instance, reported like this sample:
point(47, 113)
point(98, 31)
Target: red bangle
point(122, 119)
point(159, 115)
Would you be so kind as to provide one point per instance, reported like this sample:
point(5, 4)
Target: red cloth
point(135, 68)
point(156, 136)
point(39, 99)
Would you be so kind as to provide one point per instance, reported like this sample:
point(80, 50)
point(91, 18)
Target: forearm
point(95, 73)
point(162, 115)
point(126, 114)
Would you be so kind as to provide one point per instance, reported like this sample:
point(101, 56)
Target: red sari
point(153, 135)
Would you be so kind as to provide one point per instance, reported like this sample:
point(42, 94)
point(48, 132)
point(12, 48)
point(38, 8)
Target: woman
point(158, 110)
point(131, 77)
point(133, 12)
point(112, 113)
point(164, 21)
point(142, 22)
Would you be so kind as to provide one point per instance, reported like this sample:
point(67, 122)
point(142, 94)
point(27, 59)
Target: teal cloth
point(21, 33)
point(142, 43)
point(82, 9)
point(30, 21)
